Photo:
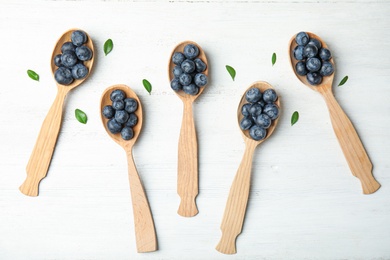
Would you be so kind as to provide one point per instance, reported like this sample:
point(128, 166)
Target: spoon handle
point(42, 153)
point(145, 233)
point(354, 152)
point(233, 218)
point(187, 176)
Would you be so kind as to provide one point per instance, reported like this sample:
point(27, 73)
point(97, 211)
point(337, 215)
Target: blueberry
point(63, 76)
point(132, 121)
point(117, 94)
point(191, 89)
point(310, 51)
point(261, 103)
point(200, 65)
point(257, 133)
point(300, 68)
point(57, 60)
point(68, 46)
point(69, 59)
point(313, 64)
point(200, 79)
point(178, 58)
point(121, 116)
point(271, 110)
point(83, 53)
point(113, 126)
point(175, 84)
point(315, 42)
point(177, 71)
point(79, 38)
point(188, 66)
point(131, 105)
point(255, 110)
point(245, 109)
point(118, 104)
point(269, 95)
point(127, 133)
point(325, 54)
point(108, 112)
point(314, 78)
point(298, 52)
point(79, 71)
point(191, 51)
point(253, 95)
point(302, 38)
point(326, 68)
point(263, 120)
point(185, 79)
point(246, 123)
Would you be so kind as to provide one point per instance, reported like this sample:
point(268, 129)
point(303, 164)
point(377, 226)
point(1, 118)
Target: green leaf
point(33, 75)
point(80, 116)
point(108, 46)
point(342, 82)
point(231, 71)
point(147, 85)
point(273, 58)
point(294, 118)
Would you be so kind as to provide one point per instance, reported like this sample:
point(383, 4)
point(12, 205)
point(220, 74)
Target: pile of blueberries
point(259, 112)
point(188, 71)
point(121, 114)
point(70, 61)
point(313, 59)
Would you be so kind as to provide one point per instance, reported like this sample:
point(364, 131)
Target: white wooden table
point(304, 202)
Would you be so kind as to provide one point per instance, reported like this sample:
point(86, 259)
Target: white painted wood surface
point(304, 202)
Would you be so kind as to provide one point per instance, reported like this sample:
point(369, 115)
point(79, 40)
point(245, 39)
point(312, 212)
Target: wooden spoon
point(42, 153)
point(187, 176)
point(354, 152)
point(144, 226)
point(233, 217)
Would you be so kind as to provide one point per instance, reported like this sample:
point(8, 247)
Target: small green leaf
point(33, 75)
point(80, 116)
point(273, 58)
point(231, 71)
point(108, 46)
point(342, 82)
point(294, 118)
point(147, 85)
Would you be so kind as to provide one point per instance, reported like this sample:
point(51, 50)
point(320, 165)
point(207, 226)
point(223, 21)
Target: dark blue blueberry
point(300, 68)
point(79, 38)
point(257, 133)
point(315, 42)
point(117, 94)
point(245, 109)
point(302, 38)
point(127, 133)
point(263, 120)
point(83, 53)
point(246, 123)
point(79, 71)
point(113, 126)
point(63, 76)
point(118, 104)
point(178, 58)
point(261, 103)
point(69, 59)
point(271, 110)
point(313, 64)
point(255, 110)
point(200, 65)
point(185, 79)
point(175, 84)
point(108, 112)
point(191, 51)
point(310, 51)
point(298, 52)
point(121, 116)
point(253, 95)
point(132, 121)
point(68, 46)
point(325, 54)
point(191, 89)
point(188, 66)
point(269, 95)
point(177, 71)
point(326, 68)
point(200, 79)
point(314, 78)
point(57, 60)
point(131, 105)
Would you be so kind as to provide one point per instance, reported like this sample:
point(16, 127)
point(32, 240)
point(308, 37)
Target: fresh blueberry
point(269, 95)
point(271, 110)
point(246, 123)
point(121, 116)
point(313, 64)
point(175, 84)
point(131, 105)
point(117, 94)
point(178, 58)
point(185, 79)
point(118, 104)
point(79, 38)
point(253, 95)
point(245, 109)
point(200, 65)
point(255, 110)
point(325, 54)
point(132, 121)
point(83, 53)
point(326, 68)
point(177, 71)
point(263, 120)
point(127, 133)
point(300, 68)
point(302, 38)
point(79, 71)
point(108, 112)
point(69, 59)
point(63, 76)
point(315, 42)
point(191, 89)
point(314, 78)
point(261, 103)
point(68, 46)
point(200, 79)
point(191, 51)
point(188, 66)
point(57, 60)
point(310, 51)
point(298, 52)
point(113, 126)
point(257, 133)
